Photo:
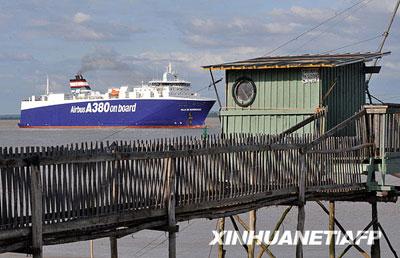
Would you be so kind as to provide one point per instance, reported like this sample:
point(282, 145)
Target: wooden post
point(215, 88)
point(113, 240)
point(91, 245)
point(221, 228)
point(302, 199)
point(114, 247)
point(252, 227)
point(171, 208)
point(375, 248)
point(331, 229)
point(37, 212)
point(300, 229)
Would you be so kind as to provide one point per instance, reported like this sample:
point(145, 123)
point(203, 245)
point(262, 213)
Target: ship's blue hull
point(120, 112)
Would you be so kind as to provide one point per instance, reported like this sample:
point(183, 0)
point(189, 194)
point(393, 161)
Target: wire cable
point(162, 242)
point(315, 27)
point(312, 39)
point(353, 44)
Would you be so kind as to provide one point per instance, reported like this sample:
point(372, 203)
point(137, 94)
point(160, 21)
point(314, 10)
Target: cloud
point(311, 13)
point(79, 33)
point(15, 57)
point(203, 33)
point(5, 18)
point(299, 13)
point(81, 17)
point(386, 6)
point(80, 27)
point(280, 28)
point(200, 41)
point(103, 59)
point(144, 64)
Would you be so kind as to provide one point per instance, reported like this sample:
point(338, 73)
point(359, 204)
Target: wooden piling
point(375, 248)
point(114, 247)
point(331, 229)
point(221, 228)
point(171, 208)
point(91, 247)
point(300, 229)
point(37, 212)
point(301, 209)
point(252, 227)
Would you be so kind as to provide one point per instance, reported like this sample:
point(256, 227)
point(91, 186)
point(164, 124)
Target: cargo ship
point(169, 102)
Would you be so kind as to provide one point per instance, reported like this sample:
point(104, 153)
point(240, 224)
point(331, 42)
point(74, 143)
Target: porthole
point(244, 92)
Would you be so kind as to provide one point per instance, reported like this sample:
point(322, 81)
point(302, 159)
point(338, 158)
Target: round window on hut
point(244, 92)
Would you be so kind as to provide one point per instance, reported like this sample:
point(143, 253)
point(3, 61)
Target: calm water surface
point(194, 236)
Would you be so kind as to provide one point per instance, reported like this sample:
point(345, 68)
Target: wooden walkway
point(53, 195)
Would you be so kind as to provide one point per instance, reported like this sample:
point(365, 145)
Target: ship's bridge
point(169, 83)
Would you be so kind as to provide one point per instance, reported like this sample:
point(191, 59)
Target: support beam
point(235, 226)
point(375, 248)
point(91, 247)
point(263, 245)
point(37, 212)
point(114, 247)
point(277, 226)
point(216, 90)
point(362, 252)
point(302, 200)
point(331, 229)
point(355, 240)
point(252, 227)
point(221, 228)
point(388, 241)
point(300, 229)
point(171, 207)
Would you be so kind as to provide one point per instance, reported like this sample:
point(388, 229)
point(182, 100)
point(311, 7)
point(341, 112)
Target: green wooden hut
point(271, 94)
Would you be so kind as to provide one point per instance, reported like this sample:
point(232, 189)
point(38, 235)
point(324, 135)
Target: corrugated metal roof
point(272, 62)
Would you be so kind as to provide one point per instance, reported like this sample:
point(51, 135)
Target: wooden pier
point(54, 195)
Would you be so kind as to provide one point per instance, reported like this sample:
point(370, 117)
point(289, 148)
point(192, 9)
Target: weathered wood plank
point(37, 212)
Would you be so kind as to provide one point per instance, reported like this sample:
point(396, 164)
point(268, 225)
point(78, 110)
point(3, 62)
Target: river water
point(194, 236)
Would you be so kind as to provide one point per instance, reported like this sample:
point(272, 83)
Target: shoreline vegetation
point(9, 117)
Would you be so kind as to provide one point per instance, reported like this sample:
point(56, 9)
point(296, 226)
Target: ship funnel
point(78, 83)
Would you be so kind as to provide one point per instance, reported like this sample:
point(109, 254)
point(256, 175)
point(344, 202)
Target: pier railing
point(99, 179)
point(381, 126)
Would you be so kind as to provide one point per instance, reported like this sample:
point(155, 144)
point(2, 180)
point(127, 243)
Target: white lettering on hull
point(103, 107)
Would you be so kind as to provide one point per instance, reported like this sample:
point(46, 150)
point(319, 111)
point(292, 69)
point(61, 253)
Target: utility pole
point(385, 36)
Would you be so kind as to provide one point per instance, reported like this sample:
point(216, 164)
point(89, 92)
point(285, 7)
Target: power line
point(162, 242)
point(315, 27)
point(353, 44)
point(385, 35)
point(312, 39)
point(151, 242)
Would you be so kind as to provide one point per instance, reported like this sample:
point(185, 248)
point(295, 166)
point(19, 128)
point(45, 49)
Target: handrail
point(332, 131)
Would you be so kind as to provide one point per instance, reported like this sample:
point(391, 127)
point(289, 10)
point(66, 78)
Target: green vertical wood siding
point(347, 96)
point(283, 100)
point(279, 91)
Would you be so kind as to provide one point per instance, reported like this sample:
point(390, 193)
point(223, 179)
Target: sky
point(127, 42)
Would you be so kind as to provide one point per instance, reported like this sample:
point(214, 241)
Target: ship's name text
point(103, 107)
